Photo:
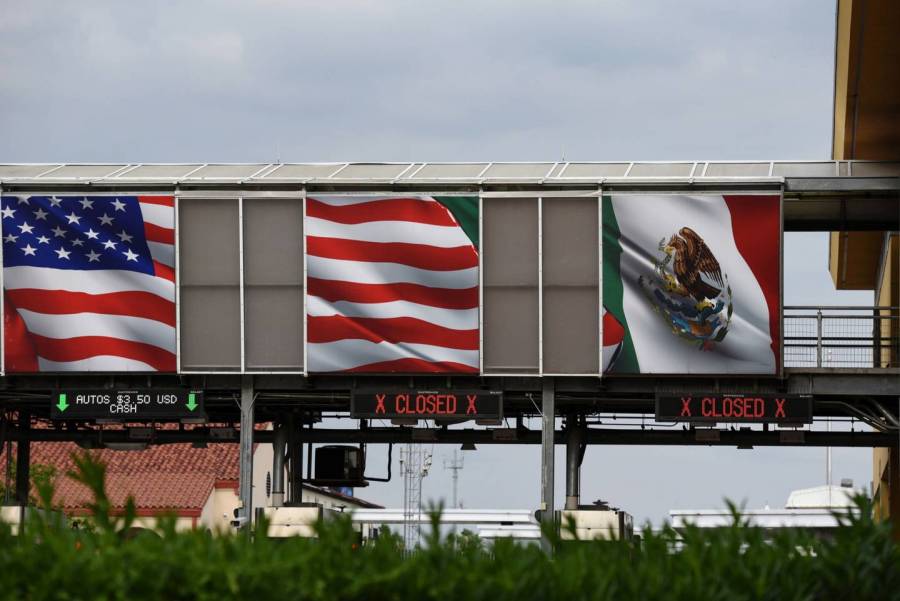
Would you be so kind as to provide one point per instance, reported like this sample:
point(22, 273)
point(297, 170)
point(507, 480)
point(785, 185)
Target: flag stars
point(8, 212)
point(130, 256)
point(91, 234)
point(86, 204)
point(119, 205)
point(109, 244)
point(25, 228)
point(54, 201)
point(124, 237)
point(73, 218)
point(106, 219)
point(43, 240)
point(92, 257)
point(58, 232)
point(77, 242)
point(62, 253)
point(40, 214)
point(10, 238)
point(24, 200)
point(28, 250)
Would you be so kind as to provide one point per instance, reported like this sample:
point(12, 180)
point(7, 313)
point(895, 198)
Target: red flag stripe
point(395, 330)
point(445, 298)
point(413, 255)
point(85, 347)
point(613, 332)
point(155, 233)
point(395, 209)
point(755, 222)
point(414, 366)
point(166, 201)
point(62, 302)
point(164, 271)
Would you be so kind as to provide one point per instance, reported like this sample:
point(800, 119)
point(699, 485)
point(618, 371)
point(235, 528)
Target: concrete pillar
point(279, 446)
point(548, 409)
point(574, 455)
point(246, 450)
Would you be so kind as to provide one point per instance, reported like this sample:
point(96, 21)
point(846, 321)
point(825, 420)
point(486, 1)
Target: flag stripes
point(392, 286)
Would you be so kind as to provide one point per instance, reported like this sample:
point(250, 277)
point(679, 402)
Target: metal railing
point(841, 336)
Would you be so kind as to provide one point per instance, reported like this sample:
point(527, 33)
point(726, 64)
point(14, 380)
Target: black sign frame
point(427, 404)
point(128, 404)
point(745, 408)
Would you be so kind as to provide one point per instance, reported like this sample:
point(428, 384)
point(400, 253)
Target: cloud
point(354, 80)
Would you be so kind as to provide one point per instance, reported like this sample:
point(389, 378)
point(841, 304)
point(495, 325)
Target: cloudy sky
point(355, 80)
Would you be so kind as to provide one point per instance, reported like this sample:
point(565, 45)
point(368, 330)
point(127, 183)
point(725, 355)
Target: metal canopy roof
point(456, 173)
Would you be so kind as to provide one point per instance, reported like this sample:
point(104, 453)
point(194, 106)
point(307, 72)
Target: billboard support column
point(246, 450)
point(548, 419)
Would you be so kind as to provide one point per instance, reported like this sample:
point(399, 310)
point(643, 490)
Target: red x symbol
point(471, 408)
point(779, 408)
point(686, 407)
point(379, 408)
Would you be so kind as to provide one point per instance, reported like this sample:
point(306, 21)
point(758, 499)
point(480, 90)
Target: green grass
point(739, 562)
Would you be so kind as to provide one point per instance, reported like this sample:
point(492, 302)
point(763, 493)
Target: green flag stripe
point(465, 211)
point(612, 287)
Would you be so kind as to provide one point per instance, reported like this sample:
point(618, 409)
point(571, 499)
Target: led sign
point(760, 408)
point(149, 403)
point(427, 404)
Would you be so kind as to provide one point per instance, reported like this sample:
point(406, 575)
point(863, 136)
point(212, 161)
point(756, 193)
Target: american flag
point(392, 284)
point(88, 283)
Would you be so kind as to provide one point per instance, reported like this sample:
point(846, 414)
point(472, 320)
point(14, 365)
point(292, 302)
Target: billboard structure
point(495, 283)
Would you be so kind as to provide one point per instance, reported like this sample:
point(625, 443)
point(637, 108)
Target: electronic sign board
point(427, 404)
point(150, 403)
point(716, 407)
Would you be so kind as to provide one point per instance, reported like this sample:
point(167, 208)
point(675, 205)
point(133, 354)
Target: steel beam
point(548, 440)
point(398, 435)
point(246, 451)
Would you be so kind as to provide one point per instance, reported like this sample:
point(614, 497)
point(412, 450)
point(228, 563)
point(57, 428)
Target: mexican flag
point(392, 284)
point(692, 283)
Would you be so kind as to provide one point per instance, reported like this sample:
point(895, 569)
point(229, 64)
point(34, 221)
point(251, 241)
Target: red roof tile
point(173, 477)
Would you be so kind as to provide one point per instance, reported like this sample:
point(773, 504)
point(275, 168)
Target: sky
point(357, 80)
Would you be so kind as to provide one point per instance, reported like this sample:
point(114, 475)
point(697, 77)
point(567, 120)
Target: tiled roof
point(174, 476)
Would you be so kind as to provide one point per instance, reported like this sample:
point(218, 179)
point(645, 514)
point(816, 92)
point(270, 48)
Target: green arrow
point(192, 401)
point(62, 405)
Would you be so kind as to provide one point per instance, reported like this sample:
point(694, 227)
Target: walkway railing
point(863, 337)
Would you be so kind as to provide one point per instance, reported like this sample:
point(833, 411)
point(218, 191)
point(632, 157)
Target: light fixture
point(467, 446)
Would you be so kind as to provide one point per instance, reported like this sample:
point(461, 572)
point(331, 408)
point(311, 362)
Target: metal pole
point(278, 449)
point(574, 442)
point(23, 459)
point(819, 338)
point(548, 418)
point(246, 450)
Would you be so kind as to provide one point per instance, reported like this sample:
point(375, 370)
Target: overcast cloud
point(92, 81)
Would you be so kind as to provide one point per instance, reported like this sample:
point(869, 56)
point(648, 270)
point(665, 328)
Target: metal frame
point(480, 282)
point(304, 352)
point(241, 283)
point(540, 283)
point(408, 171)
point(244, 369)
point(237, 197)
point(525, 196)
